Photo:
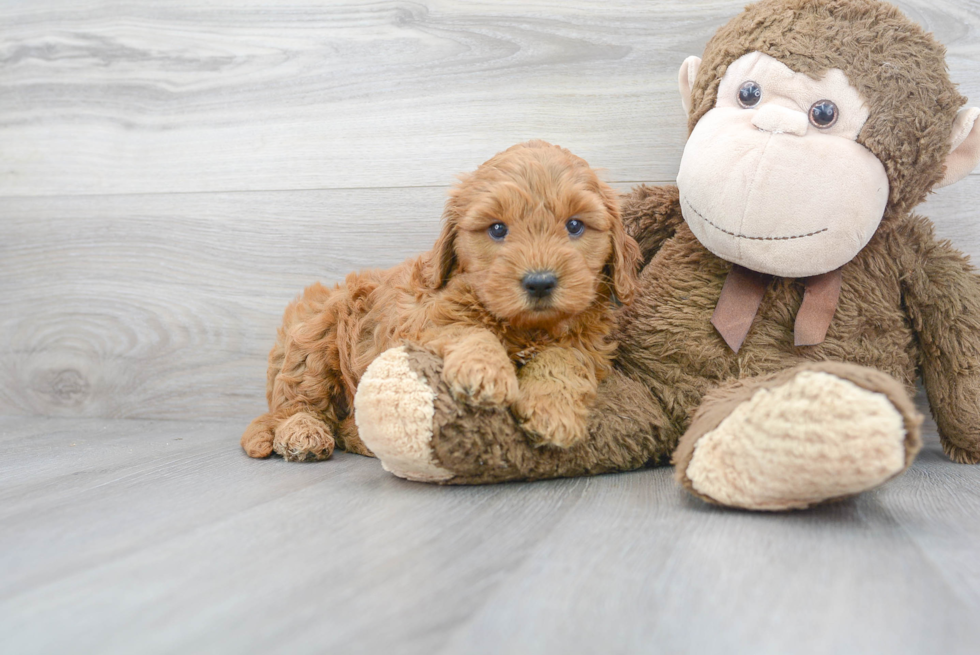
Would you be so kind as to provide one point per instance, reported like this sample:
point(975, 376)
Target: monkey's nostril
point(539, 284)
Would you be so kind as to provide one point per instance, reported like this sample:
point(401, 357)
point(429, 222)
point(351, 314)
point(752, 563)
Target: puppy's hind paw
point(257, 440)
point(303, 438)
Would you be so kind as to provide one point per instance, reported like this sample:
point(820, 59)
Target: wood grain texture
point(106, 97)
point(166, 305)
point(161, 304)
point(160, 537)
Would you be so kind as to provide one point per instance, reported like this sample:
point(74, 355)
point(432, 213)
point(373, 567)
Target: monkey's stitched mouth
point(745, 236)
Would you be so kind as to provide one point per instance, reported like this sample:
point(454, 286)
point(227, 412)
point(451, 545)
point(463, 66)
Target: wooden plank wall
point(172, 174)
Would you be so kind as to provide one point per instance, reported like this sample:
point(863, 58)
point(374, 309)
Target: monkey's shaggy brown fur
point(465, 302)
point(909, 305)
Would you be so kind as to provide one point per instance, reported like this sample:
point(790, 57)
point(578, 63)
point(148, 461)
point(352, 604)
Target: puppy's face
point(537, 234)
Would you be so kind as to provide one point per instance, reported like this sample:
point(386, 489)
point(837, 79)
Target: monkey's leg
point(407, 415)
point(809, 434)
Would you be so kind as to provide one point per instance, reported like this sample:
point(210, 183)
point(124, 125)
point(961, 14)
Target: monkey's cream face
point(773, 178)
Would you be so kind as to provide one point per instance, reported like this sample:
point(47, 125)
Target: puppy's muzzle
point(539, 284)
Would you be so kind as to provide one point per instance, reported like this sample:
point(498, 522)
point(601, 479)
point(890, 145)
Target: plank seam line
point(246, 191)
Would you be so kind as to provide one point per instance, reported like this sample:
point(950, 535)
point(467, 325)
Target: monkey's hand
point(955, 402)
point(941, 292)
point(651, 215)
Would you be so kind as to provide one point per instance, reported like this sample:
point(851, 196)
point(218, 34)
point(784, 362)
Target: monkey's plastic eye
point(497, 231)
point(823, 114)
point(749, 94)
point(575, 227)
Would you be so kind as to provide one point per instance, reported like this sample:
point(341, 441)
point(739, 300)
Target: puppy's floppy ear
point(442, 258)
point(626, 255)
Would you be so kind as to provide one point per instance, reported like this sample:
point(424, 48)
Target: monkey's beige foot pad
point(394, 407)
point(812, 434)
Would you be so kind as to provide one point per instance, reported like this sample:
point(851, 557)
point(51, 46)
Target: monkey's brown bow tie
point(742, 295)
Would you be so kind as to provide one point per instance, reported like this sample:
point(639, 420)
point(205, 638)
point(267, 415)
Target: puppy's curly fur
point(515, 297)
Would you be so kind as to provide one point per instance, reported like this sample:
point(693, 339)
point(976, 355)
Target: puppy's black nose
point(539, 284)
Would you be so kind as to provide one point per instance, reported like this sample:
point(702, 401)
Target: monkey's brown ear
point(625, 256)
point(964, 142)
point(442, 258)
point(685, 80)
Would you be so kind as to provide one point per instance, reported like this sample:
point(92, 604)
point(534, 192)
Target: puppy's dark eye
point(749, 94)
point(497, 231)
point(824, 114)
point(575, 227)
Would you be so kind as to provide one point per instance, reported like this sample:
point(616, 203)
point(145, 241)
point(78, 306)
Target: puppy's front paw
point(488, 381)
point(550, 424)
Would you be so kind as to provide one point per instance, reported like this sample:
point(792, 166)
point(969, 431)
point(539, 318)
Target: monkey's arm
point(651, 215)
point(942, 295)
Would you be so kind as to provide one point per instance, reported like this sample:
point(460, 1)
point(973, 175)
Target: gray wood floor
point(132, 536)
point(173, 173)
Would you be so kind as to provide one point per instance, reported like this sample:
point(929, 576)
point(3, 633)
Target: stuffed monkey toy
point(789, 298)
